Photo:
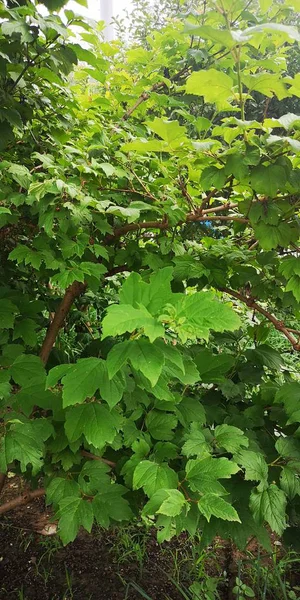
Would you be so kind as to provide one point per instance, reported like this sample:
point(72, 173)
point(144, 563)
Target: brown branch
point(119, 231)
point(207, 198)
point(144, 96)
point(191, 217)
point(157, 86)
point(73, 292)
point(22, 500)
point(110, 463)
point(226, 206)
point(185, 194)
point(195, 218)
point(77, 288)
point(2, 481)
point(279, 325)
point(296, 331)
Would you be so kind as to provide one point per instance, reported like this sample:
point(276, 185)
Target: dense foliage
point(149, 251)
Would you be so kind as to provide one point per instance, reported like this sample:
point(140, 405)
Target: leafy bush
point(147, 215)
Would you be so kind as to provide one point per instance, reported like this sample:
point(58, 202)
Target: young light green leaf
point(215, 86)
point(124, 318)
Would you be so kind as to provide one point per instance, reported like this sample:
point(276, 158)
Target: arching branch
point(279, 325)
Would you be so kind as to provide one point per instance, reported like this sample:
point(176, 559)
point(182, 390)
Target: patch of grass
point(130, 545)
point(271, 577)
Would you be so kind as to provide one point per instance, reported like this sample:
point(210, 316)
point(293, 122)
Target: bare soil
point(100, 565)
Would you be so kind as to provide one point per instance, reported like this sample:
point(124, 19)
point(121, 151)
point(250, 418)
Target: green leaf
point(26, 330)
point(267, 84)
point(288, 447)
point(144, 146)
point(203, 474)
point(165, 502)
point(160, 425)
point(213, 367)
point(268, 180)
point(23, 444)
point(289, 482)
point(267, 356)
point(20, 174)
point(201, 312)
point(148, 359)
point(5, 386)
point(26, 255)
point(93, 477)
point(169, 131)
point(152, 477)
point(213, 177)
point(110, 504)
point(173, 503)
point(206, 32)
point(290, 31)
point(98, 425)
point(215, 86)
point(190, 409)
point(82, 380)
point(196, 444)
point(60, 488)
point(153, 295)
point(212, 505)
point(171, 354)
point(27, 367)
point(289, 395)
point(8, 311)
point(56, 374)
point(293, 286)
point(270, 236)
point(269, 505)
point(229, 437)
point(124, 318)
point(143, 355)
point(74, 513)
point(111, 390)
point(256, 468)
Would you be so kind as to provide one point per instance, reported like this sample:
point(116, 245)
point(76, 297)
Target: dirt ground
point(98, 566)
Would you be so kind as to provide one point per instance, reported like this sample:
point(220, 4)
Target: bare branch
point(22, 500)
point(2, 481)
point(279, 325)
point(73, 292)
